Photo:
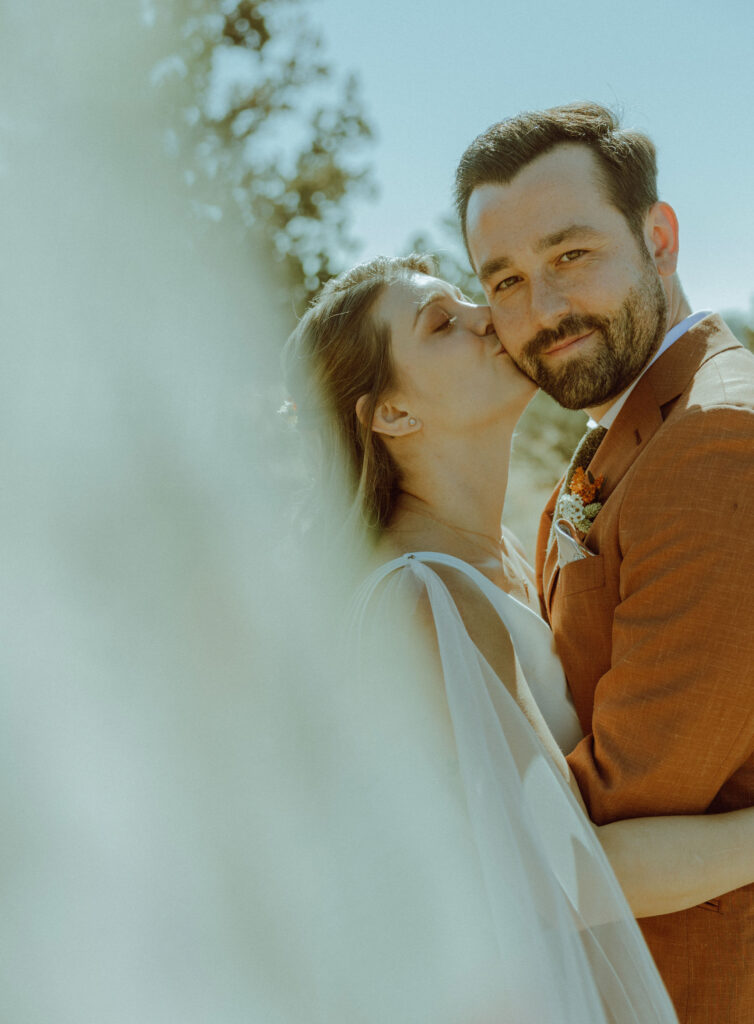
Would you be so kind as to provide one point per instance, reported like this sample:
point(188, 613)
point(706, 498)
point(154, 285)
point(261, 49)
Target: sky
point(435, 74)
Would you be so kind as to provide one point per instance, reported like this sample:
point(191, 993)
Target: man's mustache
point(567, 327)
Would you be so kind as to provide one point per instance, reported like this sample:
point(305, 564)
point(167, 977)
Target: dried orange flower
point(585, 486)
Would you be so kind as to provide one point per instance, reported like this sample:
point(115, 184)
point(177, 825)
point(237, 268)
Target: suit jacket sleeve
point(674, 714)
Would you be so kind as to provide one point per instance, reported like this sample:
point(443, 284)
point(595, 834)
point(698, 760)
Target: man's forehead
point(547, 196)
point(565, 164)
point(565, 171)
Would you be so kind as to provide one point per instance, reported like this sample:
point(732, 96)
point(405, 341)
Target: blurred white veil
point(204, 817)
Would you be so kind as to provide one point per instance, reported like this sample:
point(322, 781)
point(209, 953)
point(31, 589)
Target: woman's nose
point(483, 320)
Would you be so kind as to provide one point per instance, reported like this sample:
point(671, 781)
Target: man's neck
point(678, 306)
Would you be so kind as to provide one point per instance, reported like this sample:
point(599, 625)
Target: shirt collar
point(673, 334)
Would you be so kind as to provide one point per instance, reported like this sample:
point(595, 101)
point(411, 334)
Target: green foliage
point(268, 121)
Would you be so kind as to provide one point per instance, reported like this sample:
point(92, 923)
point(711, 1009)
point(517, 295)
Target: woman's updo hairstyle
point(338, 352)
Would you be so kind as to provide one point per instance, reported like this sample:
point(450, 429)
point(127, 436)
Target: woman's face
point(452, 373)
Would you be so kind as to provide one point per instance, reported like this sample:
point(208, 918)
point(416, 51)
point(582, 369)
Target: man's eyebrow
point(563, 235)
point(497, 263)
point(490, 267)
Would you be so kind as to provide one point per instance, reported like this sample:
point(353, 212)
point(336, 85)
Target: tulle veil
point(568, 947)
point(209, 815)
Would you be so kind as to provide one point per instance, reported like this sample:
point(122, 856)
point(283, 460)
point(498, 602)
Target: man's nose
point(549, 304)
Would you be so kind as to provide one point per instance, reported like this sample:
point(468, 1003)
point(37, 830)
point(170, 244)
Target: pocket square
point(570, 548)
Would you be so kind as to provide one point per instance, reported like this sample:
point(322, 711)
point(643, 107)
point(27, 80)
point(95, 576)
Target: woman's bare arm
point(670, 863)
point(676, 861)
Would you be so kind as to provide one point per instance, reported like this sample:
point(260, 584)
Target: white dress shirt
point(673, 335)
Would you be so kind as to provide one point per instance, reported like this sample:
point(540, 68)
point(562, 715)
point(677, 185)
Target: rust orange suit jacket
point(656, 635)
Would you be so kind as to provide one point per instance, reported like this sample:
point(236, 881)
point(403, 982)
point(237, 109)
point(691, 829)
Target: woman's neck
point(458, 497)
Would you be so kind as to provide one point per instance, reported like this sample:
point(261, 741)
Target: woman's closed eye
point(444, 324)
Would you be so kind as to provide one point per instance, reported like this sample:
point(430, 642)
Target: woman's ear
point(661, 233)
point(388, 418)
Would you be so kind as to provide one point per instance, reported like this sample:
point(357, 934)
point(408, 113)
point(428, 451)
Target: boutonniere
point(579, 501)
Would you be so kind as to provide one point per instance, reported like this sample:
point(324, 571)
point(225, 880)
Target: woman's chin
point(532, 388)
point(527, 389)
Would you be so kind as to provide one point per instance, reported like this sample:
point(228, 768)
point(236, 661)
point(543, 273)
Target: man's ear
point(661, 233)
point(388, 418)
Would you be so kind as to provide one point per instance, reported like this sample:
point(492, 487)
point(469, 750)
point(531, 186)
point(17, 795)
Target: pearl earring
point(411, 421)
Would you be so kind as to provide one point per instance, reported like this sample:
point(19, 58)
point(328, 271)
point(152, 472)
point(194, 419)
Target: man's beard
point(629, 338)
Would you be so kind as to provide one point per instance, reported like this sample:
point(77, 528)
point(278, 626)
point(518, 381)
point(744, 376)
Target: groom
point(646, 567)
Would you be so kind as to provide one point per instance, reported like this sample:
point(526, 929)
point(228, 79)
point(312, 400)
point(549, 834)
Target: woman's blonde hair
point(338, 352)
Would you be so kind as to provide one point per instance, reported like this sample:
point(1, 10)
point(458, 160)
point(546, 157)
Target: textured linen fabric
point(656, 637)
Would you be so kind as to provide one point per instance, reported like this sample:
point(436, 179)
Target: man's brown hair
point(627, 159)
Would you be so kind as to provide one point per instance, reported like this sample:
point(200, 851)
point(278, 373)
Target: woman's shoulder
point(460, 576)
point(471, 593)
point(471, 582)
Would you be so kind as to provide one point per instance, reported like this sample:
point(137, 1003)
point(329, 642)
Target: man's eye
point(505, 284)
point(569, 257)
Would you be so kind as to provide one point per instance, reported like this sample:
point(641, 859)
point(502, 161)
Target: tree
point(267, 118)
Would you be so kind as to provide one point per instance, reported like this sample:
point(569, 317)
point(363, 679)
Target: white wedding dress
point(570, 950)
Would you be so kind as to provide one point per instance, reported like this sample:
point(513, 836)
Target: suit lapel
point(546, 553)
point(639, 420)
point(665, 380)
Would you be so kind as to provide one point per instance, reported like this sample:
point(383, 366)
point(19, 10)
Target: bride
point(407, 388)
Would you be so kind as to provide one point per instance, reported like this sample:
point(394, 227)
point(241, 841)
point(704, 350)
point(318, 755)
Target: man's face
point(575, 299)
